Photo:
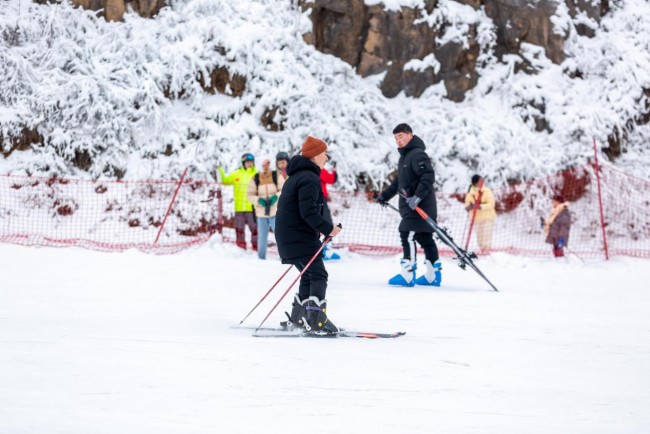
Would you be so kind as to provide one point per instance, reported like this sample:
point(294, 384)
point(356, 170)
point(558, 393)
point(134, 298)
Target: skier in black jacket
point(299, 223)
point(415, 176)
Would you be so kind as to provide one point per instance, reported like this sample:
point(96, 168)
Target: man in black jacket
point(299, 223)
point(415, 176)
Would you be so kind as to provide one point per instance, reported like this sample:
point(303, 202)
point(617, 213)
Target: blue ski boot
point(432, 275)
point(328, 254)
point(406, 277)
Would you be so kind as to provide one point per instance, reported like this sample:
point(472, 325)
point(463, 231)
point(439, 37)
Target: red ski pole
point(267, 294)
point(325, 241)
point(477, 204)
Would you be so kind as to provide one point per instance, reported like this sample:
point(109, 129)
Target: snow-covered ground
point(133, 343)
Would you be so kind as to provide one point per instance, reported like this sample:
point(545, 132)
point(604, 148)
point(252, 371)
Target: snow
point(133, 343)
point(85, 84)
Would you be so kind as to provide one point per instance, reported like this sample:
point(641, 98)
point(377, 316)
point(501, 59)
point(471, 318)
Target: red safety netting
point(517, 228)
point(146, 215)
point(106, 215)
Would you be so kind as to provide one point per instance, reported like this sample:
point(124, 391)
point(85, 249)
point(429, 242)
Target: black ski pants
point(314, 281)
point(424, 239)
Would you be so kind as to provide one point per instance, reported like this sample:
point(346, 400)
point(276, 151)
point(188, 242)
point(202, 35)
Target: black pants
point(424, 239)
point(314, 281)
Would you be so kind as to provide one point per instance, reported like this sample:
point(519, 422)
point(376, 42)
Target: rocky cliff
point(374, 39)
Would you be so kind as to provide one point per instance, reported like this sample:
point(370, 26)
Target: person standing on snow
point(244, 214)
point(328, 177)
point(281, 161)
point(299, 223)
point(485, 213)
point(557, 225)
point(263, 191)
point(415, 176)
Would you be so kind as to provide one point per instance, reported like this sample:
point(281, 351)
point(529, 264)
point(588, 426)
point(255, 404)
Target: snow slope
point(135, 343)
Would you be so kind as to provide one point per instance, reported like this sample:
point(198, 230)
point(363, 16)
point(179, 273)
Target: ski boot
point(298, 313)
point(407, 276)
point(328, 254)
point(432, 276)
point(316, 318)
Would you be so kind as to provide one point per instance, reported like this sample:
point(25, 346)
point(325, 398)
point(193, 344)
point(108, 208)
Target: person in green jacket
point(244, 210)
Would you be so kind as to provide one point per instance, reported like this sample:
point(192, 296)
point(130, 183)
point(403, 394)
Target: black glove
point(471, 207)
point(380, 200)
point(413, 201)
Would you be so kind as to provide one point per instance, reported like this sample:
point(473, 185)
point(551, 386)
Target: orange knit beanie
point(312, 147)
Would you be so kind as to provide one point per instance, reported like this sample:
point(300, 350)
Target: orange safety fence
point(119, 215)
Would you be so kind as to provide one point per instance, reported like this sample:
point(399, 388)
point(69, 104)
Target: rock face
point(147, 8)
point(114, 9)
point(374, 40)
point(518, 22)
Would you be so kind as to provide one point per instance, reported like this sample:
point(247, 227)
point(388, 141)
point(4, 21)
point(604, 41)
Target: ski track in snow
point(135, 343)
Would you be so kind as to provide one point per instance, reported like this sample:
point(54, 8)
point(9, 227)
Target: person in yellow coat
point(244, 210)
point(485, 212)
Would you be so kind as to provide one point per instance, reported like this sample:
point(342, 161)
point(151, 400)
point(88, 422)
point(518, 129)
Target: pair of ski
point(283, 332)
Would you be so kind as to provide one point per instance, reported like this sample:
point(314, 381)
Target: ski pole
point(477, 205)
point(462, 255)
point(267, 294)
point(313, 258)
point(466, 219)
point(465, 227)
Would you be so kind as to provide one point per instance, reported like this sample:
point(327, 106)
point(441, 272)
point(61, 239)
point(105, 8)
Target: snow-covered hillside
point(128, 97)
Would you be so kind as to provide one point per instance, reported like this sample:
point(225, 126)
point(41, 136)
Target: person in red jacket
point(328, 177)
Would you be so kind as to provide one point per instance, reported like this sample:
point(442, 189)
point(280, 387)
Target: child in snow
point(244, 214)
point(557, 225)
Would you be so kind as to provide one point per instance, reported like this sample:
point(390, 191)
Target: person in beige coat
point(485, 212)
point(263, 192)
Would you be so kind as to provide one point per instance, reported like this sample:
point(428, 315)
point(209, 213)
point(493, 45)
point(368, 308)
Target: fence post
point(600, 202)
point(178, 187)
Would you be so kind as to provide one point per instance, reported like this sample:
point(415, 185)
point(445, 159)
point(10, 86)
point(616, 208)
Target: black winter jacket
point(415, 175)
point(299, 221)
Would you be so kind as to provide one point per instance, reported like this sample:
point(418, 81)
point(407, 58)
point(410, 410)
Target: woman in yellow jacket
point(244, 210)
point(485, 213)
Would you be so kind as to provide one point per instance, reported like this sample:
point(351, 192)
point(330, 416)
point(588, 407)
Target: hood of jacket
point(298, 163)
point(415, 142)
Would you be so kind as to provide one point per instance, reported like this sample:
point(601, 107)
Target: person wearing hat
point(415, 176)
point(328, 177)
point(281, 161)
point(557, 225)
point(244, 210)
point(299, 224)
point(480, 198)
